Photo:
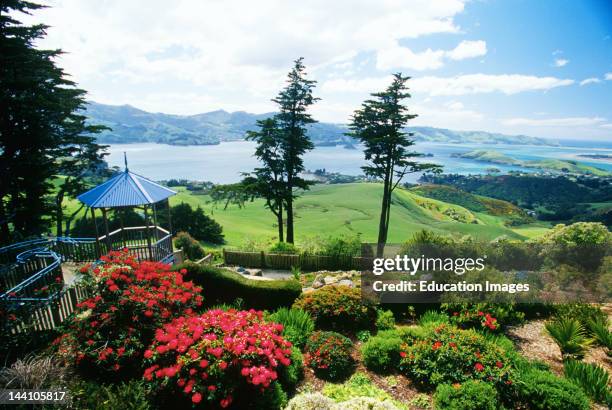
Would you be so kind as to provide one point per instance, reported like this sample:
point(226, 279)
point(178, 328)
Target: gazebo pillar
point(93, 218)
point(146, 215)
point(108, 240)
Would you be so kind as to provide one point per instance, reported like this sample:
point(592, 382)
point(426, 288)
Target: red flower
point(403, 354)
point(437, 345)
point(499, 364)
point(479, 367)
point(196, 398)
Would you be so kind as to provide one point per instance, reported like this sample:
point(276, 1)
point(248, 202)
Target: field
point(354, 209)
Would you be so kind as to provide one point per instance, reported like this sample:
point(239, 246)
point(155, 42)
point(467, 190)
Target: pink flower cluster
point(199, 354)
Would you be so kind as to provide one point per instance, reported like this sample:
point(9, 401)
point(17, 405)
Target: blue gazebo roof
point(125, 189)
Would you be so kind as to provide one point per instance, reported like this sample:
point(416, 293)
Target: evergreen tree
point(292, 118)
point(268, 182)
point(39, 124)
point(379, 126)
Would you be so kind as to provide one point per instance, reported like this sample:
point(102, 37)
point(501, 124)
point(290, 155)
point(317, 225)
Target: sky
point(541, 68)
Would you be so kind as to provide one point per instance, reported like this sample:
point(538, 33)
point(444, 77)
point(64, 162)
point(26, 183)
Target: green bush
point(291, 375)
point(90, 395)
point(284, 248)
point(342, 246)
point(381, 353)
point(224, 286)
point(471, 395)
point(298, 325)
point(450, 355)
point(582, 312)
point(272, 398)
point(482, 316)
point(329, 355)
point(190, 247)
point(432, 316)
point(601, 331)
point(569, 335)
point(384, 320)
point(542, 390)
point(196, 222)
point(593, 379)
point(337, 307)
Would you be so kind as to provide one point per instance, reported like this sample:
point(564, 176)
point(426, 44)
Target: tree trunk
point(382, 225)
point(59, 214)
point(279, 216)
point(290, 208)
point(4, 220)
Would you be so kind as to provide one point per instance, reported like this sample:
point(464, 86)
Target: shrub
point(190, 247)
point(593, 379)
point(542, 390)
point(307, 401)
point(433, 317)
point(109, 332)
point(34, 372)
point(601, 331)
point(213, 357)
point(569, 335)
point(297, 325)
point(450, 355)
point(290, 376)
point(337, 307)
point(224, 286)
point(359, 385)
point(384, 319)
point(342, 246)
point(329, 355)
point(483, 316)
point(363, 335)
point(90, 395)
point(382, 353)
point(471, 395)
point(284, 248)
point(196, 222)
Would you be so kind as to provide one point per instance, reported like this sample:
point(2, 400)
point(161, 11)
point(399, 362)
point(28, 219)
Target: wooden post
point(122, 230)
point(263, 260)
point(108, 243)
point(93, 217)
point(146, 215)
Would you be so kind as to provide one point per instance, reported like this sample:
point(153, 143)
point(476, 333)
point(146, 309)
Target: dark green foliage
point(298, 325)
point(600, 328)
point(224, 286)
point(190, 247)
point(381, 352)
point(284, 248)
point(195, 222)
point(42, 129)
point(329, 355)
point(132, 395)
point(384, 319)
point(290, 376)
point(341, 246)
point(569, 335)
point(542, 390)
point(471, 395)
point(593, 379)
point(272, 398)
point(582, 312)
point(379, 126)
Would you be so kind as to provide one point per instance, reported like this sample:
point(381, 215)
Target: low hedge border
point(225, 286)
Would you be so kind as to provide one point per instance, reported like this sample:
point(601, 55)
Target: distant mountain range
point(131, 125)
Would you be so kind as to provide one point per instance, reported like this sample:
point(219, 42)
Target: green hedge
point(224, 286)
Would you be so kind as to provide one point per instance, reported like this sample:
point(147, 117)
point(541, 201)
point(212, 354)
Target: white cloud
point(561, 62)
point(403, 57)
point(396, 56)
point(608, 76)
point(453, 86)
point(556, 122)
point(485, 83)
point(232, 50)
point(591, 80)
point(609, 125)
point(468, 49)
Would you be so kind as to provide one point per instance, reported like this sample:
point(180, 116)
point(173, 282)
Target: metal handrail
point(23, 257)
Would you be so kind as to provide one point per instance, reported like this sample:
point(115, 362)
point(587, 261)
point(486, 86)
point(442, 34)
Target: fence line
point(287, 261)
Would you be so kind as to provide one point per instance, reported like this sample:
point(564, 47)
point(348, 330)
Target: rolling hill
point(131, 125)
point(354, 209)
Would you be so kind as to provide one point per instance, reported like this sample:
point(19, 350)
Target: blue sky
point(540, 68)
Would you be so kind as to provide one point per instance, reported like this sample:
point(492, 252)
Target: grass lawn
point(354, 209)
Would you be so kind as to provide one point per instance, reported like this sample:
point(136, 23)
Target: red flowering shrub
point(483, 316)
point(211, 357)
point(329, 355)
point(111, 330)
point(451, 355)
point(337, 307)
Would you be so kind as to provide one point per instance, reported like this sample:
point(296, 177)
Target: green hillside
point(355, 209)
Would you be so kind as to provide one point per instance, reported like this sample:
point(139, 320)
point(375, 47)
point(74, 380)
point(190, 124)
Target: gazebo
point(130, 190)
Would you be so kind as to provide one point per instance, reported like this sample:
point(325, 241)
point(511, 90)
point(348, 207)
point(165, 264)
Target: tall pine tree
point(40, 124)
point(379, 126)
point(292, 118)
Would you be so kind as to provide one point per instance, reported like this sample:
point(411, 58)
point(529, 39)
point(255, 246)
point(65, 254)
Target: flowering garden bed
point(147, 336)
